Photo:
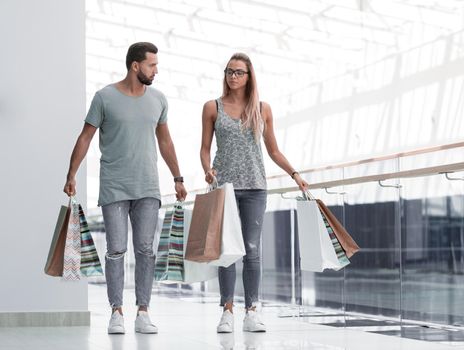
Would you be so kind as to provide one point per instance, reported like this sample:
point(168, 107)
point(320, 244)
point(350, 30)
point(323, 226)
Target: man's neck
point(131, 87)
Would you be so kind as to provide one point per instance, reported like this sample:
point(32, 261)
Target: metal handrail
point(419, 172)
point(377, 159)
point(434, 170)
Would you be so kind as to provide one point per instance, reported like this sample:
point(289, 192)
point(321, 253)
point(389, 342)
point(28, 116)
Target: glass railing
point(406, 212)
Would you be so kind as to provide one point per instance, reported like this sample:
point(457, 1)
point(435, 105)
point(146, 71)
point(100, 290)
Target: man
point(129, 114)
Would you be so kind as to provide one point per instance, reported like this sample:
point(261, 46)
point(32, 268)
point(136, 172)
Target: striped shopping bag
point(341, 255)
point(90, 263)
point(72, 251)
point(169, 266)
point(348, 244)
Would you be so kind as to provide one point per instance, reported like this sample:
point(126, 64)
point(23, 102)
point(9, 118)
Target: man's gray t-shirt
point(127, 125)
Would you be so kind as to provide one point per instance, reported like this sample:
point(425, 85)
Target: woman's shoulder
point(210, 109)
point(265, 109)
point(264, 105)
point(210, 106)
point(210, 103)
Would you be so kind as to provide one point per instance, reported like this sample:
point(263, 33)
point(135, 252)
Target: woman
point(239, 121)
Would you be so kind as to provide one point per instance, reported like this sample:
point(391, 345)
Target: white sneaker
point(143, 324)
point(116, 325)
point(226, 324)
point(253, 322)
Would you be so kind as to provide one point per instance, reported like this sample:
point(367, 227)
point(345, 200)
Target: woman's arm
point(273, 149)
point(208, 118)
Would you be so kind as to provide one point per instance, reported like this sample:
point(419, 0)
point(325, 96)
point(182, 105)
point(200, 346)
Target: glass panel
point(322, 293)
point(433, 256)
point(278, 281)
point(372, 280)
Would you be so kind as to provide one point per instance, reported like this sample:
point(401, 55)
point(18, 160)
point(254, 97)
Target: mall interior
point(368, 105)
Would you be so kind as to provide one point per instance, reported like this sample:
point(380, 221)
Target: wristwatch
point(178, 179)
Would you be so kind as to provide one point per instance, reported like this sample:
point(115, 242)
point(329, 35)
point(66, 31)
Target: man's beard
point(144, 79)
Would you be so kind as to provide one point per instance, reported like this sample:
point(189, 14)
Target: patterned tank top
point(239, 159)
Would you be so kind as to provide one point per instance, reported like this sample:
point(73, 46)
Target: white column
point(42, 108)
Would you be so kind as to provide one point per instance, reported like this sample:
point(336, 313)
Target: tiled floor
point(187, 322)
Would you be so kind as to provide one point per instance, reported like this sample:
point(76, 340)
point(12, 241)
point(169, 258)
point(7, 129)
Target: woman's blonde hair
point(252, 118)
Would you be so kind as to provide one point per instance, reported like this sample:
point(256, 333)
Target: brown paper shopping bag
point(204, 240)
point(232, 246)
point(54, 264)
point(346, 241)
point(195, 271)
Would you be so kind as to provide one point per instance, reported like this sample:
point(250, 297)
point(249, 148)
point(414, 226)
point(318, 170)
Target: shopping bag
point(195, 271)
point(159, 228)
point(54, 264)
point(204, 240)
point(90, 263)
point(319, 247)
point(346, 241)
point(232, 245)
point(339, 251)
point(169, 266)
point(72, 248)
point(72, 252)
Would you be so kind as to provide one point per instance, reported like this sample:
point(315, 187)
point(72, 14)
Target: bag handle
point(72, 200)
point(213, 185)
point(308, 196)
point(179, 204)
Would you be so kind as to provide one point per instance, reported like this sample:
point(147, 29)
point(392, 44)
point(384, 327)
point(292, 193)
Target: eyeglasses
point(238, 73)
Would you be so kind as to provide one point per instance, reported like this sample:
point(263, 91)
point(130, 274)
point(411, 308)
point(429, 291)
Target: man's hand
point(181, 193)
point(70, 186)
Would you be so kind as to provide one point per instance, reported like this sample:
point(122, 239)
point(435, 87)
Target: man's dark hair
point(137, 52)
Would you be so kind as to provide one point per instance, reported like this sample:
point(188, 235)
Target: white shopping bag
point(232, 246)
point(195, 271)
point(316, 249)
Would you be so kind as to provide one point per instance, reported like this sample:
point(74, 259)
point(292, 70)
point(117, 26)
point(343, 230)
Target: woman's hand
point(302, 184)
point(210, 175)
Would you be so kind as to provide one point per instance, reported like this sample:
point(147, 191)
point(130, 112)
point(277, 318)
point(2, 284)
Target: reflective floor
point(188, 321)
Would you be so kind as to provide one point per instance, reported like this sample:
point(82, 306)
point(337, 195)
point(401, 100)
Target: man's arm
point(78, 154)
point(168, 153)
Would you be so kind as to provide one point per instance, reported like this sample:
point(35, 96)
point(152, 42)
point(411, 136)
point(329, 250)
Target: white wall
point(42, 107)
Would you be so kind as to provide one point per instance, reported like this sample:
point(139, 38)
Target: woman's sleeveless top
point(239, 159)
